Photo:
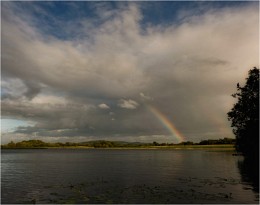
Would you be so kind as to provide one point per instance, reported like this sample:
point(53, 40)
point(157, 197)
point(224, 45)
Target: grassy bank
point(227, 146)
point(209, 147)
point(101, 144)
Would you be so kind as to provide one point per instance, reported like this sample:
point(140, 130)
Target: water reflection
point(249, 170)
point(125, 176)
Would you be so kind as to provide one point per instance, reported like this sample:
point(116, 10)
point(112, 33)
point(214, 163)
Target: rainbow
point(166, 123)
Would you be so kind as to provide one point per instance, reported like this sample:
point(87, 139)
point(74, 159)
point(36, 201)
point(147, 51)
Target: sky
point(123, 71)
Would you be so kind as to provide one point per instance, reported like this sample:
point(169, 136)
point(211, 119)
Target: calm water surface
point(124, 176)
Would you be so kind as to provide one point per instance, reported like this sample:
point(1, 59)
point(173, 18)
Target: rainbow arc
point(166, 123)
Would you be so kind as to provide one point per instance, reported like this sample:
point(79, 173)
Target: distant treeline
point(107, 144)
point(212, 142)
point(95, 144)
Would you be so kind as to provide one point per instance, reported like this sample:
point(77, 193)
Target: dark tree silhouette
point(245, 116)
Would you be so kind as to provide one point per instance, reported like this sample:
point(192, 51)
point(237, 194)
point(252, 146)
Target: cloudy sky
point(78, 71)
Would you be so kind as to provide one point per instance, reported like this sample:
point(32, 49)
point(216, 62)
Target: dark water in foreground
point(124, 176)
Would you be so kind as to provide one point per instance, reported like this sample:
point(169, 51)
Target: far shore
point(176, 147)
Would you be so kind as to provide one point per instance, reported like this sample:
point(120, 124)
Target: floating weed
point(226, 196)
point(70, 201)
point(54, 193)
point(100, 198)
point(33, 201)
point(247, 188)
point(71, 186)
point(98, 192)
point(53, 201)
point(48, 187)
point(86, 199)
point(109, 201)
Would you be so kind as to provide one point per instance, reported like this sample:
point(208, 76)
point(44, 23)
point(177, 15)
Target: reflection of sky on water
point(123, 176)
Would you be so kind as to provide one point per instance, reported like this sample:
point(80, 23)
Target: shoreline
point(176, 147)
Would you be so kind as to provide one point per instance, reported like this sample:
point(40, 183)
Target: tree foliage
point(219, 141)
point(245, 116)
point(106, 144)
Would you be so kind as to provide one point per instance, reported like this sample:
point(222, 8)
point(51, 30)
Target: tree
point(11, 144)
point(245, 116)
point(155, 143)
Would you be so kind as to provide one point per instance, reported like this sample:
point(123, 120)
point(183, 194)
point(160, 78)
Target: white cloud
point(103, 106)
point(145, 97)
point(128, 104)
point(49, 99)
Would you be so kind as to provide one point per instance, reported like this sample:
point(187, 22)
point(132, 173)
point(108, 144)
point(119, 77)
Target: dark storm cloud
point(69, 85)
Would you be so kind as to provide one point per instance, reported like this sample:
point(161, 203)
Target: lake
point(125, 176)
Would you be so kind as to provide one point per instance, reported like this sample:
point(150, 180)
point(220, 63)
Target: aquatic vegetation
point(96, 192)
